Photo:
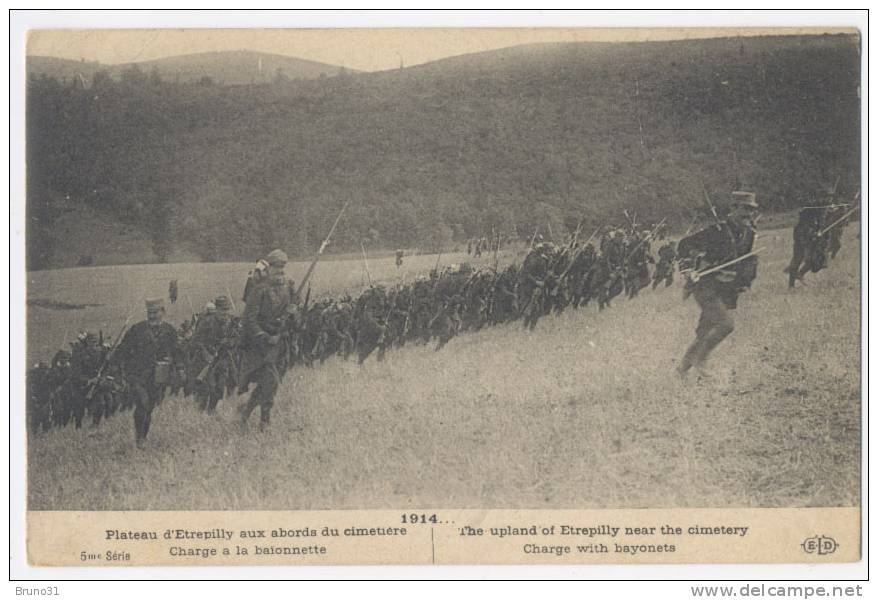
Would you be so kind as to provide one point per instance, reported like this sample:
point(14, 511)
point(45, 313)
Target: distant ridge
point(234, 67)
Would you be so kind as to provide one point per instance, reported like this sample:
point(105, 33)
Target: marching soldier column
point(214, 353)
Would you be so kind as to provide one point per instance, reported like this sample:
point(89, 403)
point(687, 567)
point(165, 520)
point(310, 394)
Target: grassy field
point(584, 412)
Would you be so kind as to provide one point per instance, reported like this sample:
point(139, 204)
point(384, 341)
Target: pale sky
point(361, 49)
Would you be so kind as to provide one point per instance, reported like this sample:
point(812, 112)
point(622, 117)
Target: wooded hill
point(517, 139)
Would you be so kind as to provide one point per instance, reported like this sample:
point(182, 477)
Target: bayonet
point(323, 246)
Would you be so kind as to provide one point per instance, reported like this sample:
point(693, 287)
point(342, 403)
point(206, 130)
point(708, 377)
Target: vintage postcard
point(443, 296)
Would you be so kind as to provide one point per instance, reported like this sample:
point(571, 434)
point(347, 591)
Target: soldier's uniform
point(147, 354)
point(212, 360)
point(269, 304)
point(717, 293)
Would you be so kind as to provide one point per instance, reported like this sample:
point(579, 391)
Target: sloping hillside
point(515, 139)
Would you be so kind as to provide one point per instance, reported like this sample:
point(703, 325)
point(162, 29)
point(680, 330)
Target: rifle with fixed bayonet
point(93, 384)
point(320, 250)
point(711, 208)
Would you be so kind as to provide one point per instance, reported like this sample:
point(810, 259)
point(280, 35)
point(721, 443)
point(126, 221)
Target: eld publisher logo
point(820, 544)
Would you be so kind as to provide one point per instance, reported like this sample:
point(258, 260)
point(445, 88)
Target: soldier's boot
point(691, 358)
point(265, 418)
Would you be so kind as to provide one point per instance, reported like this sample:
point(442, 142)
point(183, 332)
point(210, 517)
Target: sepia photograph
point(560, 268)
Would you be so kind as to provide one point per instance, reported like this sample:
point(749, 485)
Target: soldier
point(39, 398)
point(535, 273)
point(371, 312)
point(270, 302)
point(212, 355)
point(399, 255)
point(717, 293)
point(92, 390)
point(809, 247)
point(664, 269)
point(61, 388)
point(147, 353)
point(172, 291)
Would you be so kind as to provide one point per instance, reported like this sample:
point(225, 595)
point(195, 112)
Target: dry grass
point(584, 412)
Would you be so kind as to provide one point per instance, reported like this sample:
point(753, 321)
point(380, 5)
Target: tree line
point(431, 156)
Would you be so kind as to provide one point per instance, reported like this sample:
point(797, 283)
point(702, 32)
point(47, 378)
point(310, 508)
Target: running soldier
point(717, 293)
point(147, 354)
point(809, 247)
point(270, 303)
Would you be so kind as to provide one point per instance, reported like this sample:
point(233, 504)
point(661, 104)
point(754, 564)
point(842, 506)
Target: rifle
point(633, 250)
point(837, 221)
point(323, 246)
point(534, 236)
point(214, 357)
point(577, 253)
point(631, 221)
point(232, 300)
point(711, 207)
point(699, 274)
point(576, 233)
point(366, 264)
point(691, 223)
point(387, 319)
point(93, 386)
